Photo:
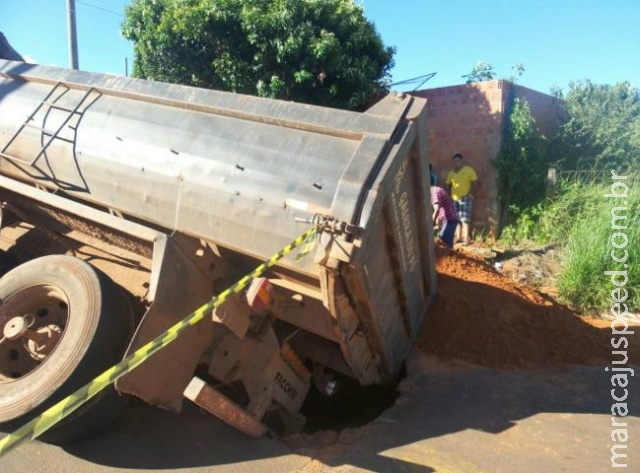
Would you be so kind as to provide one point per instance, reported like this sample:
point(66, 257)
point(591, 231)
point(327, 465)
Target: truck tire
point(79, 324)
point(7, 263)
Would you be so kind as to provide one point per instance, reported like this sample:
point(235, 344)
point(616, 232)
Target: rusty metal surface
point(302, 307)
point(268, 376)
point(130, 228)
point(223, 408)
point(381, 296)
point(180, 288)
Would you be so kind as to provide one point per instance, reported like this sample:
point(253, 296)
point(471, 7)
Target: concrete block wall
point(469, 119)
point(547, 110)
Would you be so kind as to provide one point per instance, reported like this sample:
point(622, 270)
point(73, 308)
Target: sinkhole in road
point(351, 406)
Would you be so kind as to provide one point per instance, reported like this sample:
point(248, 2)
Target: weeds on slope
point(579, 219)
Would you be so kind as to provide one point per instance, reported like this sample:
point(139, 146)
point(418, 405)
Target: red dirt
point(482, 317)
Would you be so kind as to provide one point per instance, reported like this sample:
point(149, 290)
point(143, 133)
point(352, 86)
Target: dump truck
point(128, 204)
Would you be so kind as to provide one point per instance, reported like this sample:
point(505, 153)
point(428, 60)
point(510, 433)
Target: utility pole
point(73, 42)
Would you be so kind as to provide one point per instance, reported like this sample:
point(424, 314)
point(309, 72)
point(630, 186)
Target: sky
point(557, 41)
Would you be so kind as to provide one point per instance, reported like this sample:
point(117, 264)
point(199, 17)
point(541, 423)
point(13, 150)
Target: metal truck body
point(207, 185)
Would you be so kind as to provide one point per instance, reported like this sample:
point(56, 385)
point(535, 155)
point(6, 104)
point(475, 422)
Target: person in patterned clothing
point(444, 216)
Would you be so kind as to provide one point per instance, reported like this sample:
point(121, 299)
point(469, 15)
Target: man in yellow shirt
point(461, 182)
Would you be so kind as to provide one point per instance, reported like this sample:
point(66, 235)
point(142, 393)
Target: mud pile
point(484, 318)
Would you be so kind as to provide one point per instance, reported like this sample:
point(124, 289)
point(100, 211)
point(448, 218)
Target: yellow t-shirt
point(460, 181)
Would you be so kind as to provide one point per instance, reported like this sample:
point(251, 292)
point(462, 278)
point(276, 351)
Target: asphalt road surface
point(447, 419)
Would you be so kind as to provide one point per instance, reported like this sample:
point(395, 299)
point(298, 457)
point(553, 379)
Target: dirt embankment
point(482, 317)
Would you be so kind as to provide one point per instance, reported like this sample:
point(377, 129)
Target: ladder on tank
point(50, 135)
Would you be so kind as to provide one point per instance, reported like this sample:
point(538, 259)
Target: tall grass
point(579, 219)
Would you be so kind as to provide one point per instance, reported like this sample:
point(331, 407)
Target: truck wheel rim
point(32, 323)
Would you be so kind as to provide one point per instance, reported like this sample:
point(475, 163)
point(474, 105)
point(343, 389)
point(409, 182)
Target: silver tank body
point(237, 171)
point(228, 168)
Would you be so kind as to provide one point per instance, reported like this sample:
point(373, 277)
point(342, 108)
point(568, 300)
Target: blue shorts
point(448, 231)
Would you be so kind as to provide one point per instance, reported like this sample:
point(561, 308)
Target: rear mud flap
point(180, 287)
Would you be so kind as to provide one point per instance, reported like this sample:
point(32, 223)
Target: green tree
point(602, 127)
point(323, 52)
point(481, 71)
point(521, 163)
point(518, 70)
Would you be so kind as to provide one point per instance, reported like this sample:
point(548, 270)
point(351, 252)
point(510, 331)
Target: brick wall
point(546, 109)
point(468, 119)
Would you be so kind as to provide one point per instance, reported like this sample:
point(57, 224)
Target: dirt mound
point(485, 318)
point(538, 269)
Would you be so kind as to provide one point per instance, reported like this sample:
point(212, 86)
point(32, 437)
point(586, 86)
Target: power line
point(100, 8)
point(420, 80)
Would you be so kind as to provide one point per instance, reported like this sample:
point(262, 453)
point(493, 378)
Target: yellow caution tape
point(308, 245)
point(62, 409)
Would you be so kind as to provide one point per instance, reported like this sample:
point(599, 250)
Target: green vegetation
point(583, 281)
point(324, 53)
point(521, 163)
point(600, 133)
point(485, 71)
point(602, 130)
point(480, 72)
point(579, 219)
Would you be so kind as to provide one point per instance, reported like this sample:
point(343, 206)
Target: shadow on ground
point(447, 416)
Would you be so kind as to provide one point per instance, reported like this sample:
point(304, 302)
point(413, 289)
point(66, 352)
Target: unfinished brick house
point(469, 119)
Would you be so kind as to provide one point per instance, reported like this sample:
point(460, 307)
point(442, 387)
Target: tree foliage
point(518, 69)
point(481, 71)
point(602, 129)
point(323, 52)
point(521, 163)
